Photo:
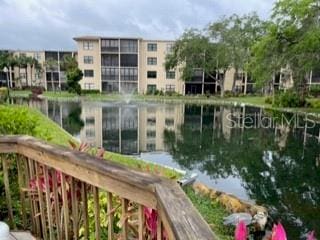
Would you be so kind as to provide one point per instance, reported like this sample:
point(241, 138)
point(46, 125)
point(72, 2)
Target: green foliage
point(292, 40)
point(289, 99)
point(213, 213)
point(74, 76)
point(314, 91)
point(90, 91)
point(268, 100)
point(4, 94)
point(16, 121)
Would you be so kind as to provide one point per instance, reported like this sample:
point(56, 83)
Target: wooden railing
point(63, 193)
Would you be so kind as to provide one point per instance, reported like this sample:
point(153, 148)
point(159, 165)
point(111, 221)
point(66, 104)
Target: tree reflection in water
point(277, 167)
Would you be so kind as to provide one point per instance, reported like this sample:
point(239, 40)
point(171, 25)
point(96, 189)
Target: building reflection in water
point(277, 166)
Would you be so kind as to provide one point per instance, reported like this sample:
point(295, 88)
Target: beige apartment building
point(50, 76)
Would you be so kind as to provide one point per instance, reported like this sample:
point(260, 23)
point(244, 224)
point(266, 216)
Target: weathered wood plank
point(5, 168)
point(96, 212)
point(48, 202)
point(141, 222)
point(125, 182)
point(21, 177)
point(65, 205)
point(56, 204)
point(41, 202)
point(124, 216)
point(110, 216)
point(84, 199)
point(74, 206)
point(181, 220)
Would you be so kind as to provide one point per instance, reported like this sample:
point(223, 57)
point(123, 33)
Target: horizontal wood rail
point(60, 190)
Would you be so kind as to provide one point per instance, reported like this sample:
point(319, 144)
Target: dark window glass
point(110, 74)
point(152, 74)
point(88, 73)
point(152, 47)
point(110, 45)
point(170, 74)
point(129, 60)
point(170, 88)
point(110, 86)
point(109, 60)
point(129, 74)
point(169, 122)
point(88, 59)
point(129, 46)
point(151, 87)
point(152, 61)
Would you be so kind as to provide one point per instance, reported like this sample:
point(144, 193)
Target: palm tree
point(33, 66)
point(4, 63)
point(51, 65)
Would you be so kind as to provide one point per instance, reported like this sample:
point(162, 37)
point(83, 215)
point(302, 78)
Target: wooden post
point(84, 199)
point(96, 212)
point(125, 203)
point(65, 205)
point(110, 216)
point(74, 205)
point(7, 190)
point(21, 173)
point(141, 222)
point(48, 202)
point(56, 204)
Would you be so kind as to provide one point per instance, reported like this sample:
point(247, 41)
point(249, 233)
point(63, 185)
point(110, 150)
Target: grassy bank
point(45, 129)
point(257, 101)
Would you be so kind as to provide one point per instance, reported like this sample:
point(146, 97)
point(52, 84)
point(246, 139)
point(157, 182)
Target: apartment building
point(50, 75)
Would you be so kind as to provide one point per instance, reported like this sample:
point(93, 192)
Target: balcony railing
point(57, 186)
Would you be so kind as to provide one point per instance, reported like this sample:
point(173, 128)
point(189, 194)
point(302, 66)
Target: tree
point(4, 64)
point(51, 65)
point(234, 37)
point(292, 40)
point(74, 74)
point(192, 51)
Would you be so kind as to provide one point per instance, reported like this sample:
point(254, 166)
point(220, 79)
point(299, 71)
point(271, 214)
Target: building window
point(89, 86)
point(152, 74)
point(151, 88)
point(152, 61)
point(110, 60)
point(88, 45)
point(151, 121)
point(151, 134)
point(170, 74)
point(169, 47)
point(22, 54)
point(88, 73)
point(37, 56)
point(90, 120)
point(129, 46)
point(152, 47)
point(110, 45)
point(88, 59)
point(170, 88)
point(129, 74)
point(129, 60)
point(110, 74)
point(151, 147)
point(169, 122)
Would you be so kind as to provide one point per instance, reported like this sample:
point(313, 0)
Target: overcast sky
point(51, 24)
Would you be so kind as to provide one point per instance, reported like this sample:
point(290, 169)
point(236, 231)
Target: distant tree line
point(290, 40)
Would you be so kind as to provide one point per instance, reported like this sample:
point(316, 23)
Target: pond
point(266, 157)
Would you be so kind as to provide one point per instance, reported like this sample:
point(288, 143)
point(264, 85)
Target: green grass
point(213, 213)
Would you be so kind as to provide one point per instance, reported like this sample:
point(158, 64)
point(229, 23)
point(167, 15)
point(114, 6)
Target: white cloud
point(40, 24)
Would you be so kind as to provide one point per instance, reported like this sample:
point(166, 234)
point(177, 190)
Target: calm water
point(231, 148)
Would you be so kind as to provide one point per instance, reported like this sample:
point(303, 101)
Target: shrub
point(16, 120)
point(4, 94)
point(314, 91)
point(37, 90)
point(228, 94)
point(268, 100)
point(289, 99)
point(90, 91)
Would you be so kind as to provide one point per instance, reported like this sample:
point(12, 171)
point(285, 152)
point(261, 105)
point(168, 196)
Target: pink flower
point(151, 216)
point(311, 236)
point(241, 231)
point(278, 232)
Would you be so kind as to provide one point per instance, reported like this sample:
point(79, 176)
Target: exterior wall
point(95, 81)
point(163, 48)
